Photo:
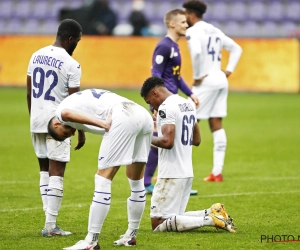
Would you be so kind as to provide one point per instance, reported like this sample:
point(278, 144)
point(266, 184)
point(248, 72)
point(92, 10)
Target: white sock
point(54, 198)
point(180, 223)
point(99, 207)
point(135, 206)
point(199, 213)
point(44, 182)
point(220, 142)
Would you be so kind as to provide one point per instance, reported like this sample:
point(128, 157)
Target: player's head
point(59, 131)
point(194, 10)
point(69, 34)
point(153, 91)
point(175, 20)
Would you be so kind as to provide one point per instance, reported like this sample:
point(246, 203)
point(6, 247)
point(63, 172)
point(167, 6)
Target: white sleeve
point(235, 52)
point(74, 75)
point(194, 45)
point(79, 126)
point(167, 114)
point(29, 69)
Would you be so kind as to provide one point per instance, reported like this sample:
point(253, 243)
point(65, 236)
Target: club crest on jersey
point(162, 113)
point(159, 59)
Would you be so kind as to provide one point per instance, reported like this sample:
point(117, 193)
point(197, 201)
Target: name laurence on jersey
point(52, 72)
point(177, 162)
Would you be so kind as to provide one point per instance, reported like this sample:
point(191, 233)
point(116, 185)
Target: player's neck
point(173, 37)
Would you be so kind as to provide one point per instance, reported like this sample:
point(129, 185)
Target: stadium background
point(267, 31)
point(261, 173)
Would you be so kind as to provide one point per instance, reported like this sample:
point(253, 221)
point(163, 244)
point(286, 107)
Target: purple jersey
point(166, 64)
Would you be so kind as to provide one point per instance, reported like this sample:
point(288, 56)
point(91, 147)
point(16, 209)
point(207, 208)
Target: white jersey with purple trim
point(96, 102)
point(205, 44)
point(52, 72)
point(177, 162)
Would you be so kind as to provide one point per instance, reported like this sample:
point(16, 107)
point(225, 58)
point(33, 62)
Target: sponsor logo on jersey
point(162, 113)
point(188, 37)
point(78, 66)
point(107, 199)
point(159, 59)
point(101, 158)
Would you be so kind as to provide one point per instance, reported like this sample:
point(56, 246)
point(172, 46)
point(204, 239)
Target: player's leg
point(58, 154)
point(135, 173)
point(40, 149)
point(151, 168)
point(219, 136)
point(44, 180)
point(173, 207)
point(99, 208)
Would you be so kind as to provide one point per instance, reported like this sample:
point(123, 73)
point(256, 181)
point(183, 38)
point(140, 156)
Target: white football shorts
point(170, 197)
point(212, 94)
point(129, 137)
point(46, 147)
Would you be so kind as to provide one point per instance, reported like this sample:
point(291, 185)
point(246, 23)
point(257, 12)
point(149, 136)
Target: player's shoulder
point(165, 42)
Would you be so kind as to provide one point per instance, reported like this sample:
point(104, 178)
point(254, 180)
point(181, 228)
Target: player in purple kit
point(166, 64)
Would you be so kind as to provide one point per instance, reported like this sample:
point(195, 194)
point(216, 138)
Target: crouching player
point(178, 131)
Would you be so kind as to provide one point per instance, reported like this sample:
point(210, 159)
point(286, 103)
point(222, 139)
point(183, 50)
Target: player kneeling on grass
point(127, 143)
point(178, 131)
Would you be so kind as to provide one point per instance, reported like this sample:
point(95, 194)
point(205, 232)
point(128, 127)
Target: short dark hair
point(170, 14)
point(68, 28)
point(51, 130)
point(151, 83)
point(195, 6)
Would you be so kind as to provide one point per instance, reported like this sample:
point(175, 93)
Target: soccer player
point(166, 64)
point(210, 83)
point(178, 131)
point(52, 75)
point(127, 143)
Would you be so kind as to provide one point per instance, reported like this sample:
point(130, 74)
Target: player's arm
point(160, 59)
point(69, 115)
point(74, 86)
point(194, 44)
point(196, 135)
point(235, 52)
point(186, 90)
point(167, 140)
point(28, 93)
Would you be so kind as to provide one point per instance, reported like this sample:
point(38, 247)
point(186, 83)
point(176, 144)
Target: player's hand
point(199, 81)
point(81, 140)
point(154, 116)
point(227, 73)
point(195, 100)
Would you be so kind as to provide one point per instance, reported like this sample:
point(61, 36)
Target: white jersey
point(52, 72)
point(205, 44)
point(96, 102)
point(177, 162)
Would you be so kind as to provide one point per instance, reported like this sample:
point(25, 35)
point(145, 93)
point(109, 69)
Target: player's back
point(211, 41)
point(52, 72)
point(177, 162)
point(97, 102)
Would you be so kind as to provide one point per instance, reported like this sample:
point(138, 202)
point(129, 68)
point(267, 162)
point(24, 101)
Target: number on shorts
point(187, 130)
point(38, 80)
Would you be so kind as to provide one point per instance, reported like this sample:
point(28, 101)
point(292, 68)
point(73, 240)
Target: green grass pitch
point(261, 189)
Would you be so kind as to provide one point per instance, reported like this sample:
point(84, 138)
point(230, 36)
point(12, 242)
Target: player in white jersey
point(205, 44)
point(178, 131)
point(52, 75)
point(127, 129)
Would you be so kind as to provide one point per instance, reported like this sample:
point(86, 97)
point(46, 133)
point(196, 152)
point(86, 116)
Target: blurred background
point(240, 18)
point(268, 31)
